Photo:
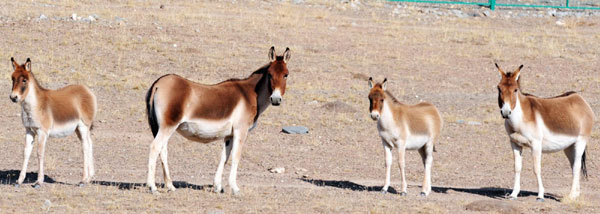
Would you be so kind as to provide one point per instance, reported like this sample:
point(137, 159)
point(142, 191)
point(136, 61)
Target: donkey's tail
point(152, 120)
point(583, 167)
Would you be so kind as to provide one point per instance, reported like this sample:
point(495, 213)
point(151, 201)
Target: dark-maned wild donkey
point(406, 127)
point(52, 113)
point(205, 113)
point(545, 125)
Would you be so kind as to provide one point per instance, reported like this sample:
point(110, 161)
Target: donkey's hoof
point(403, 194)
point(236, 193)
point(423, 194)
point(540, 199)
point(384, 191)
point(81, 184)
point(37, 186)
point(17, 185)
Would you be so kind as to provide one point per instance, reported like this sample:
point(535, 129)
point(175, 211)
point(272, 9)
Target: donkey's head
point(21, 78)
point(376, 97)
point(508, 90)
point(278, 73)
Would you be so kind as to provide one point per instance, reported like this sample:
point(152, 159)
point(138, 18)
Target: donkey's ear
point(384, 84)
point(502, 74)
point(286, 55)
point(272, 55)
point(371, 84)
point(14, 64)
point(518, 72)
point(28, 64)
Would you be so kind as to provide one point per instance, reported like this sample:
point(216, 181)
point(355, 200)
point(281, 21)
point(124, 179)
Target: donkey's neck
point(516, 116)
point(263, 92)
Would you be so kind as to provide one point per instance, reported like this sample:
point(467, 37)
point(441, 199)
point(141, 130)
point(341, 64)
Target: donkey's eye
point(516, 90)
point(381, 100)
point(285, 76)
point(24, 80)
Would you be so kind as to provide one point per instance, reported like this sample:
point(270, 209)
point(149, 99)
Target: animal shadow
point(492, 192)
point(347, 185)
point(130, 186)
point(10, 177)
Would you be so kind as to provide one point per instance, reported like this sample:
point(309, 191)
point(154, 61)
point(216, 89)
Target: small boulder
point(277, 170)
point(295, 130)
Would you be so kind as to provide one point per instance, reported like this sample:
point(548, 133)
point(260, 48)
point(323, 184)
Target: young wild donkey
point(52, 113)
point(545, 125)
point(407, 127)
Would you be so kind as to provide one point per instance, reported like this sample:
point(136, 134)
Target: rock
point(487, 13)
point(42, 17)
point(47, 204)
point(313, 103)
point(560, 23)
point(460, 121)
point(492, 206)
point(298, 1)
point(459, 14)
point(295, 130)
point(277, 170)
point(474, 123)
point(74, 16)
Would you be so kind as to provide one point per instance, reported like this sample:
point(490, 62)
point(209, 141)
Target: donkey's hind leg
point(156, 147)
point(426, 153)
point(575, 154)
point(83, 133)
point(163, 157)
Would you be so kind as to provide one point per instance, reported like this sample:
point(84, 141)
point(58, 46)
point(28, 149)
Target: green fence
point(492, 4)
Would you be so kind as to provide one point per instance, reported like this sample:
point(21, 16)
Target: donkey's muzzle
point(505, 113)
point(14, 99)
point(276, 101)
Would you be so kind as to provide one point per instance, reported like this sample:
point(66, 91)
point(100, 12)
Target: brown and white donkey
point(205, 113)
point(52, 113)
point(406, 127)
point(545, 125)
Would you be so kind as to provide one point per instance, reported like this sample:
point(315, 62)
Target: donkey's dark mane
point(388, 94)
point(261, 70)
point(509, 74)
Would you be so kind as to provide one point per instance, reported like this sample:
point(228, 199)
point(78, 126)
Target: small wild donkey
point(407, 127)
point(54, 113)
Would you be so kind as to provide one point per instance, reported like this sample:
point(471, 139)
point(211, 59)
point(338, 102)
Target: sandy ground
point(339, 165)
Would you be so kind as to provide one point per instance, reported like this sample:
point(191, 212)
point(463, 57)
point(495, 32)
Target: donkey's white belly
point(63, 130)
point(205, 130)
point(412, 142)
point(557, 142)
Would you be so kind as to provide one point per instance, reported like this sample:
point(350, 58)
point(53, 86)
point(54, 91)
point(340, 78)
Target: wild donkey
point(52, 113)
point(545, 125)
point(205, 113)
point(407, 127)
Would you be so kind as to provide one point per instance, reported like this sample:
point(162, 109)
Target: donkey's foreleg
point(224, 157)
point(388, 165)
point(238, 139)
point(536, 152)
point(90, 155)
point(576, 163)
point(164, 154)
point(401, 163)
point(155, 148)
point(29, 136)
point(41, 150)
point(517, 153)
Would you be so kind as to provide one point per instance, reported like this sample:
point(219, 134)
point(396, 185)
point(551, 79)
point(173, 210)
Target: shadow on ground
point(347, 185)
point(129, 186)
point(492, 192)
point(10, 177)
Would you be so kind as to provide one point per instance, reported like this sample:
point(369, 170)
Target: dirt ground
point(339, 166)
